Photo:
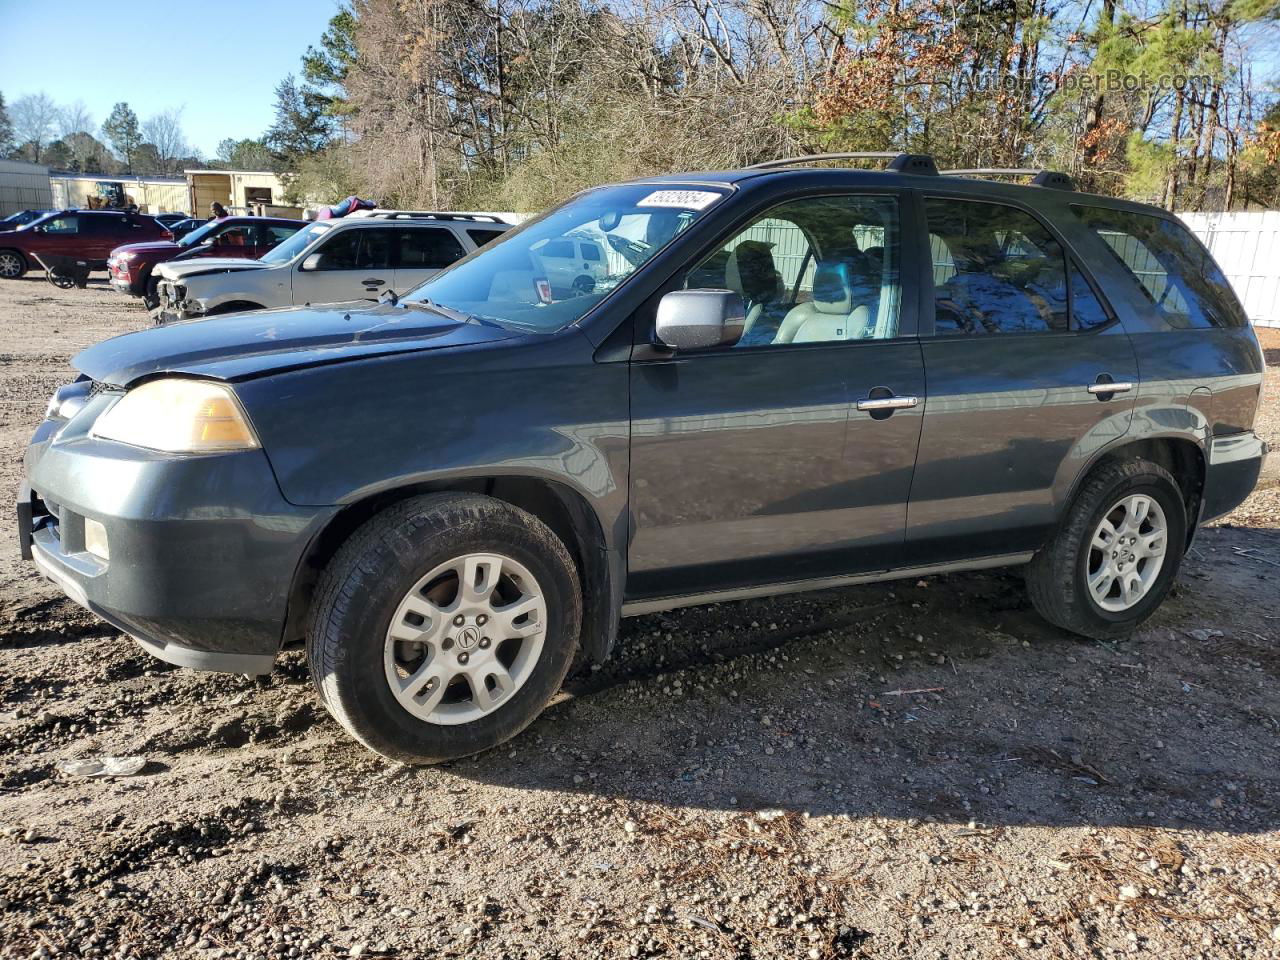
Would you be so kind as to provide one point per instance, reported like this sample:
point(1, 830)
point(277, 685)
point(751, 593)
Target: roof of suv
point(917, 171)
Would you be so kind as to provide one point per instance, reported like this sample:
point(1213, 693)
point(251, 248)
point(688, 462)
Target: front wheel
point(443, 627)
point(1117, 553)
point(151, 295)
point(12, 265)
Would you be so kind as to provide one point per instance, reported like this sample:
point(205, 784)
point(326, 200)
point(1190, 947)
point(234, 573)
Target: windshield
point(548, 273)
point(290, 248)
point(196, 235)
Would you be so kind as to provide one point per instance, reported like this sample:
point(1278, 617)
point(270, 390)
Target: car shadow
point(947, 700)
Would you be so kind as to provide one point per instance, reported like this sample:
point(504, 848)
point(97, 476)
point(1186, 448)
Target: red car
point(130, 266)
point(88, 235)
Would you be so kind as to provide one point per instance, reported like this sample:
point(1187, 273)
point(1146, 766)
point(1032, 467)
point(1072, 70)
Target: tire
point(12, 265)
point(363, 593)
point(1058, 577)
point(151, 293)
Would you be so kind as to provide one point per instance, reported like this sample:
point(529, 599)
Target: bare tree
point(164, 132)
point(34, 120)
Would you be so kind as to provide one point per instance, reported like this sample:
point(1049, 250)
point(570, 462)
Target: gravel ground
point(911, 770)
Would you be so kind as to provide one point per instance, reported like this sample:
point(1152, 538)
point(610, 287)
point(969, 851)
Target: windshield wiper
point(457, 316)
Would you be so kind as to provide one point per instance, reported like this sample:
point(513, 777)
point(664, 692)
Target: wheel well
point(19, 254)
point(235, 306)
point(1182, 458)
point(561, 508)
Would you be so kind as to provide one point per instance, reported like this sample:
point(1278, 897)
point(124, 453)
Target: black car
point(785, 379)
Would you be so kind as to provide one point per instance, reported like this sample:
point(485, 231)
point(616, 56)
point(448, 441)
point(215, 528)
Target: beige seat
point(830, 315)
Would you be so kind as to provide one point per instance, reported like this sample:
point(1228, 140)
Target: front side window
point(1175, 272)
point(996, 269)
point(240, 235)
point(512, 284)
point(67, 224)
point(816, 270)
point(356, 250)
point(429, 248)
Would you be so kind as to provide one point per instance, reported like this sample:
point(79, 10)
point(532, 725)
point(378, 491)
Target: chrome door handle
point(887, 403)
point(1097, 388)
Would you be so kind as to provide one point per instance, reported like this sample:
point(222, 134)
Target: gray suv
point(781, 379)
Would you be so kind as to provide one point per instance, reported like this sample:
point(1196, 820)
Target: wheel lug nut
point(459, 620)
point(484, 643)
point(482, 620)
point(463, 658)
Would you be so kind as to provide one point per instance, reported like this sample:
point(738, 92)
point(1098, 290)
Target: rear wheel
point(1115, 558)
point(12, 264)
point(443, 627)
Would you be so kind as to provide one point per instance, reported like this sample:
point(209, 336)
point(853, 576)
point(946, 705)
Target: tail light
point(166, 234)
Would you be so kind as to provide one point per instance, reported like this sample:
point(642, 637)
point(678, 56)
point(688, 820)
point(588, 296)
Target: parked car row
point(86, 235)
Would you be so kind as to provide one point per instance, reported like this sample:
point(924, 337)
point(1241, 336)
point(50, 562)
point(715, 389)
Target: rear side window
point(591, 252)
point(557, 250)
point(996, 269)
point(429, 248)
point(1178, 276)
point(481, 237)
point(103, 223)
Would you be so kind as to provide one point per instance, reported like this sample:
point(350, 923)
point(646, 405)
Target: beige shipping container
point(24, 186)
point(240, 191)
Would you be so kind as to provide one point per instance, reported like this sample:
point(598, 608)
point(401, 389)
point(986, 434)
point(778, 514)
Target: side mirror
point(698, 319)
point(312, 262)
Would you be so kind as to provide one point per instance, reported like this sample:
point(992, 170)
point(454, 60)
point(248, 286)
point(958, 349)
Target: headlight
point(125, 255)
point(178, 416)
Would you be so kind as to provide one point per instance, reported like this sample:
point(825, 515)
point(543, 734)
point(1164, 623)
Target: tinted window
point(1177, 274)
point(67, 224)
point(375, 249)
point(996, 270)
point(590, 252)
point(429, 248)
point(1087, 311)
point(340, 252)
point(104, 223)
point(481, 237)
point(272, 235)
point(814, 270)
point(558, 250)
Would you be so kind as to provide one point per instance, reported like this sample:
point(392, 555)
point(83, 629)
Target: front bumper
point(202, 550)
point(1235, 463)
point(174, 303)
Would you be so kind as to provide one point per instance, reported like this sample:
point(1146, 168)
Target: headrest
point(832, 291)
point(751, 270)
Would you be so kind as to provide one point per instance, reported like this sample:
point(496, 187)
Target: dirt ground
point(922, 769)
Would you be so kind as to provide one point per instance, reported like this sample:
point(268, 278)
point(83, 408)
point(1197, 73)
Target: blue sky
point(218, 61)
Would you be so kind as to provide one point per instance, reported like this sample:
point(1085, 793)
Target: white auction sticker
point(684, 199)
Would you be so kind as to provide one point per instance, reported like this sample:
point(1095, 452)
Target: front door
point(352, 264)
point(1018, 365)
point(754, 464)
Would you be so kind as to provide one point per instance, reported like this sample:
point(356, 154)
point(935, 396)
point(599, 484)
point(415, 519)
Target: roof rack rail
point(898, 162)
point(376, 214)
point(1039, 178)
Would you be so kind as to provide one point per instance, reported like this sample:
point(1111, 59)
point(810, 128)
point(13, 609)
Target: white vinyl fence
point(1247, 246)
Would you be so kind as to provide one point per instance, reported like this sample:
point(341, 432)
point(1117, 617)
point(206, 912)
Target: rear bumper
point(202, 550)
point(1235, 462)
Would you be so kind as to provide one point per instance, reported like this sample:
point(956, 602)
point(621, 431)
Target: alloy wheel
point(1127, 553)
point(10, 266)
point(465, 638)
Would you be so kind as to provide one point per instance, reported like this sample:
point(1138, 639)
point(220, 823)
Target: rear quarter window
point(1171, 267)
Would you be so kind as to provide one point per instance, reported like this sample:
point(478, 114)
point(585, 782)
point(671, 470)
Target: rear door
point(1020, 355)
point(351, 264)
point(789, 456)
point(424, 252)
point(100, 233)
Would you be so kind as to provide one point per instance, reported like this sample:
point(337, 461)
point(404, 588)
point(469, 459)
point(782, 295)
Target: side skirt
point(637, 608)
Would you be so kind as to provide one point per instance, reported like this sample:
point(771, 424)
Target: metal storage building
point(24, 186)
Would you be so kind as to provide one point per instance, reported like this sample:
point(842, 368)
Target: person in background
point(217, 211)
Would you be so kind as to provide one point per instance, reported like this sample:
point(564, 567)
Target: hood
point(239, 346)
point(155, 246)
point(180, 269)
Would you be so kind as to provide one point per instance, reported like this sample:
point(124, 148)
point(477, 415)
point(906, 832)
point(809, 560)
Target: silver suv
point(326, 262)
